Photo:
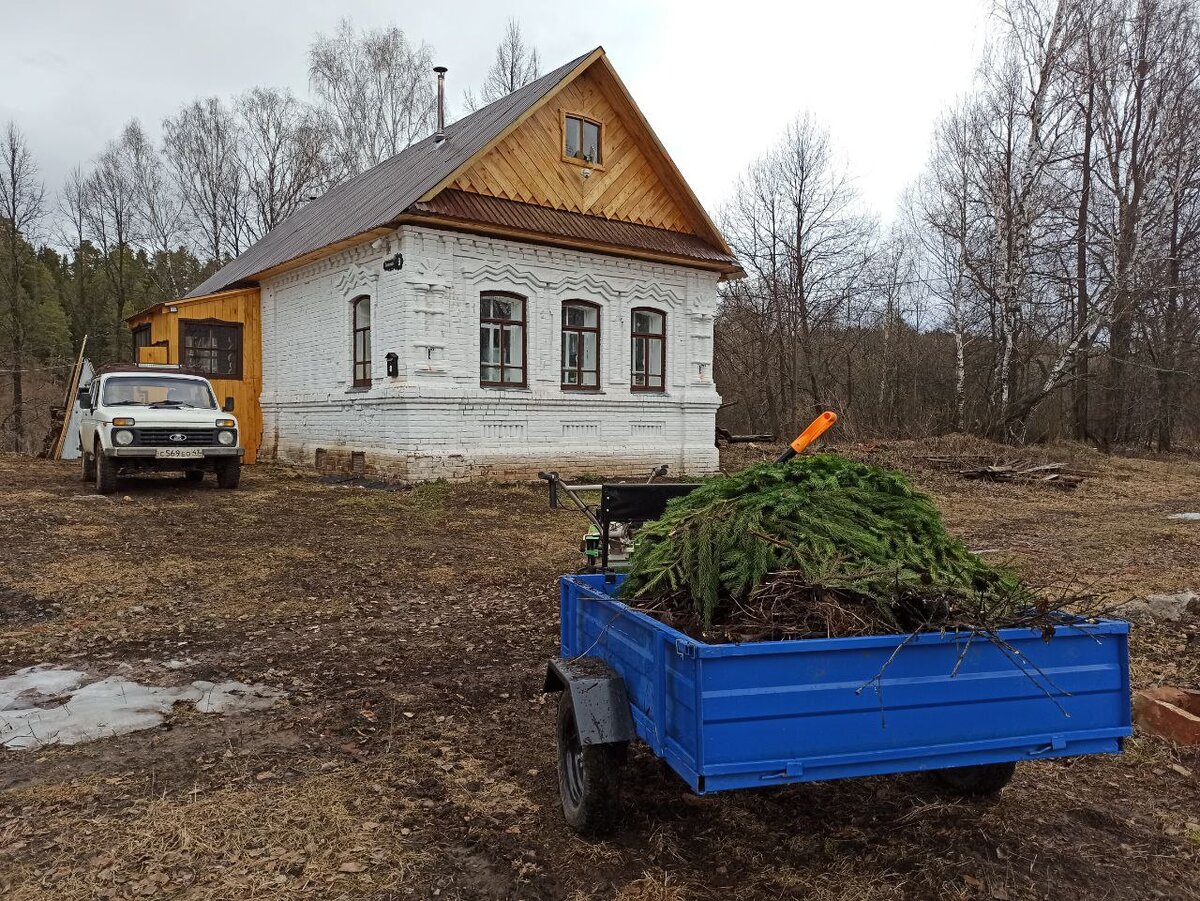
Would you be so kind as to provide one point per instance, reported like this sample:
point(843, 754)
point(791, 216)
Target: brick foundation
point(457, 467)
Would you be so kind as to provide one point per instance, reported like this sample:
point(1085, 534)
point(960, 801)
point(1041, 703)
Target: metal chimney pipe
point(440, 134)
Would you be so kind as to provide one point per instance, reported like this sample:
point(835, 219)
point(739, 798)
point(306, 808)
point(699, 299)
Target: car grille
point(162, 437)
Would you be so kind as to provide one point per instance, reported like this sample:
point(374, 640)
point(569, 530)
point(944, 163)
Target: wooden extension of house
point(533, 285)
point(218, 335)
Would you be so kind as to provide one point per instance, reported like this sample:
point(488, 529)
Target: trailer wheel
point(980, 780)
point(589, 776)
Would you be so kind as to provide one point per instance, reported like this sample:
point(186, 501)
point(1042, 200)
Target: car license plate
point(179, 453)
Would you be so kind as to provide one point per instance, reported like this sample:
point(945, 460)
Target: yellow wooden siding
point(628, 184)
point(152, 354)
point(227, 306)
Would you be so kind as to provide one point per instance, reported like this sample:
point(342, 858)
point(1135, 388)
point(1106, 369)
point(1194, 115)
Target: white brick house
point(522, 305)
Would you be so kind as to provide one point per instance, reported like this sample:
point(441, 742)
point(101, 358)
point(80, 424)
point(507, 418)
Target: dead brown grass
point(339, 834)
point(415, 750)
point(660, 886)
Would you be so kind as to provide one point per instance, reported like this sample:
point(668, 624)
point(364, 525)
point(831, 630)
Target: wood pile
point(1056, 475)
point(58, 423)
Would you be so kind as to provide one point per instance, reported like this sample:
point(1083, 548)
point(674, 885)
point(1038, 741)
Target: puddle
point(47, 705)
point(233, 697)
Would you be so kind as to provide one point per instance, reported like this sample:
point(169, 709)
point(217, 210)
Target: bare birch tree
point(376, 90)
point(516, 65)
point(201, 147)
point(796, 223)
point(1166, 317)
point(73, 201)
point(158, 205)
point(282, 156)
point(114, 224)
point(1147, 68)
point(943, 221)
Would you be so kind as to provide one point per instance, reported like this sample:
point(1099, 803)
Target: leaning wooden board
point(69, 402)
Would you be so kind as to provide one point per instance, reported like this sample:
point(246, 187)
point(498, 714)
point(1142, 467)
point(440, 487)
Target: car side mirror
point(84, 396)
point(228, 408)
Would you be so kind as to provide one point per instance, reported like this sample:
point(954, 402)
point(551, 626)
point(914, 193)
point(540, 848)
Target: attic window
point(582, 140)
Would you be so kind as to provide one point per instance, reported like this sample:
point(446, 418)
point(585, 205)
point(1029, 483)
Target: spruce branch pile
point(818, 545)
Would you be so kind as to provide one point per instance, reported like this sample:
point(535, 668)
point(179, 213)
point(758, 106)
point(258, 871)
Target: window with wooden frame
point(360, 324)
point(141, 338)
point(211, 347)
point(583, 140)
point(501, 340)
point(580, 346)
point(648, 334)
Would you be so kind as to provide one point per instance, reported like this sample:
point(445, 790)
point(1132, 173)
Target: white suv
point(140, 418)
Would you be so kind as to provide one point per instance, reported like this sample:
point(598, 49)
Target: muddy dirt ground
point(414, 753)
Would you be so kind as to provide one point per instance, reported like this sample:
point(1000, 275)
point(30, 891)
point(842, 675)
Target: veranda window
point(211, 347)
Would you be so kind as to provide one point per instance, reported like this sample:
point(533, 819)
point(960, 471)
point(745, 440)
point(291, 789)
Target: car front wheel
point(106, 473)
point(229, 473)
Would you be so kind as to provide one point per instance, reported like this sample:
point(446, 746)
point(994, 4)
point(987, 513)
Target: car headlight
point(123, 438)
point(225, 438)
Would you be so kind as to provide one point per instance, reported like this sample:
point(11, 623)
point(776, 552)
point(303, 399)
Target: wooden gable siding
point(527, 165)
point(228, 306)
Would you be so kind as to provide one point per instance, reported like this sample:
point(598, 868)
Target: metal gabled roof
point(374, 198)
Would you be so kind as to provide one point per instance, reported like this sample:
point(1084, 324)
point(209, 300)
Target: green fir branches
point(831, 525)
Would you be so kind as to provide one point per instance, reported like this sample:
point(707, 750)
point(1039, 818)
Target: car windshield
point(158, 391)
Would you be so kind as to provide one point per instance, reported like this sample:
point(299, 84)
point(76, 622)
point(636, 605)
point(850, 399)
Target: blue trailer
point(735, 716)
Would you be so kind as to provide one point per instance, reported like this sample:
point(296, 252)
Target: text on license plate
point(178, 453)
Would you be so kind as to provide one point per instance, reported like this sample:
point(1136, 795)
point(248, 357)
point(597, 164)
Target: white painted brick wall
point(434, 420)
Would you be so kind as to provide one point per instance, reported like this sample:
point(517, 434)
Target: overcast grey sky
point(718, 81)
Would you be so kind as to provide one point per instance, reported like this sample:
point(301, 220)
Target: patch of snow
point(45, 705)
point(1190, 517)
point(27, 687)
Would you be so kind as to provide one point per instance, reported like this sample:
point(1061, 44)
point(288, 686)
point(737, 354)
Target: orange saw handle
point(815, 430)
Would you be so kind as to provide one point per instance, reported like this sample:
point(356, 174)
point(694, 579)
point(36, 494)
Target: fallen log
point(1057, 475)
point(729, 438)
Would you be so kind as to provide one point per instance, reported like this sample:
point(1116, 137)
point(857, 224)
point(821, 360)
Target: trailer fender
point(598, 694)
